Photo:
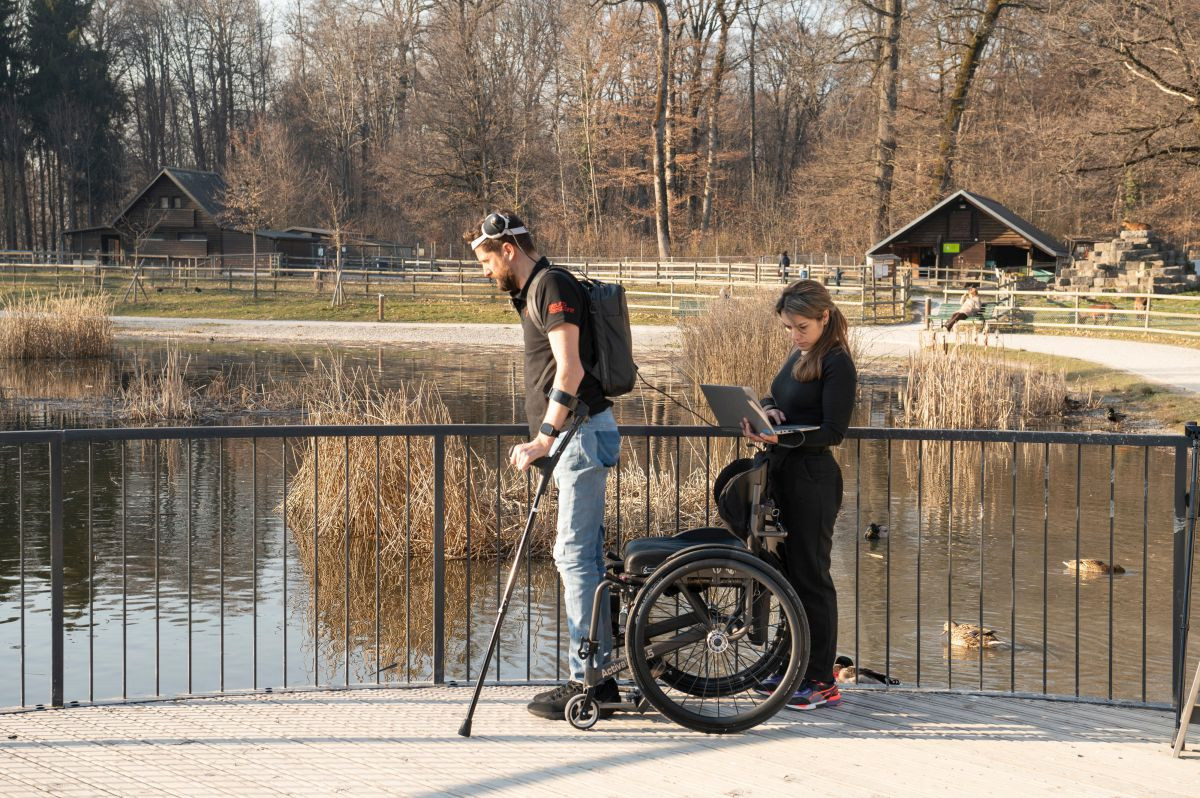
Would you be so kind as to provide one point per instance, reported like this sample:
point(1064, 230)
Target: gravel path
point(1176, 367)
point(648, 337)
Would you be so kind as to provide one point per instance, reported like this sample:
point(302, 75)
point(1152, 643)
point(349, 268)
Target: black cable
point(676, 401)
point(711, 424)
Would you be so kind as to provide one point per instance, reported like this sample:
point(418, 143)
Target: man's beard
point(508, 282)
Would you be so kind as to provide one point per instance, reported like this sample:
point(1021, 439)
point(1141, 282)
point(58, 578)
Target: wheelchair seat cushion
point(643, 555)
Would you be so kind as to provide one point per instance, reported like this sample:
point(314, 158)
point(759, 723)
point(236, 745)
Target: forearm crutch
point(546, 466)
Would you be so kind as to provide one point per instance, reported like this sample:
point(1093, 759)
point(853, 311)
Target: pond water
point(191, 580)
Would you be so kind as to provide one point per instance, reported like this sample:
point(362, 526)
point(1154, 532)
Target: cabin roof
point(1039, 238)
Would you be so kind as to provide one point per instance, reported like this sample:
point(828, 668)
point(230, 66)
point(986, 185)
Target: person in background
point(971, 305)
point(785, 264)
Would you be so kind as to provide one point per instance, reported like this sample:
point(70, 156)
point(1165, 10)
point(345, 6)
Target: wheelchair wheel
point(706, 630)
point(582, 712)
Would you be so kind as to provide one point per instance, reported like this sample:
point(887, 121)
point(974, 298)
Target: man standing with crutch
point(559, 338)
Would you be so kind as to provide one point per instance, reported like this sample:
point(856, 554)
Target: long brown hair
point(810, 299)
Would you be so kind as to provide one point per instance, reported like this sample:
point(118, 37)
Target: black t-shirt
point(561, 299)
point(827, 401)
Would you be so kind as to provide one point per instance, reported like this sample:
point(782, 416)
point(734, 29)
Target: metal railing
point(968, 514)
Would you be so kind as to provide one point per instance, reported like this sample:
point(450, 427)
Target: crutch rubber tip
point(465, 729)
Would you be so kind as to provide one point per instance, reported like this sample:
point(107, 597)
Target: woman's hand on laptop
point(749, 432)
point(775, 414)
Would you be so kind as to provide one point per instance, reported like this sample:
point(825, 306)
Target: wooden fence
point(1168, 314)
point(674, 287)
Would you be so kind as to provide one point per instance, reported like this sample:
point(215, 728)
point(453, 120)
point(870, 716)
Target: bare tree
point(982, 26)
point(337, 219)
point(1157, 44)
point(245, 198)
point(137, 227)
point(726, 13)
point(888, 17)
point(662, 211)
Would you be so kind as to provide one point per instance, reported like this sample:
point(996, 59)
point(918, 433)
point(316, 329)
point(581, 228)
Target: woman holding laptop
point(816, 385)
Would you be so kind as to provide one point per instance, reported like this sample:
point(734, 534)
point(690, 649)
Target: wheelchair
point(701, 619)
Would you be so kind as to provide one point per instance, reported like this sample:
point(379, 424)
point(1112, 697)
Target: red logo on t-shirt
point(561, 307)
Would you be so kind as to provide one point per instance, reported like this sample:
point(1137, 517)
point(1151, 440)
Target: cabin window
point(156, 237)
point(176, 202)
point(193, 237)
point(164, 202)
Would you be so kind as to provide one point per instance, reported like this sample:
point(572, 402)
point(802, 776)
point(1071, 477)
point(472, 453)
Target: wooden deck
point(404, 742)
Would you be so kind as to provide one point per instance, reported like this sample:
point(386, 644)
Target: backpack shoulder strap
point(532, 308)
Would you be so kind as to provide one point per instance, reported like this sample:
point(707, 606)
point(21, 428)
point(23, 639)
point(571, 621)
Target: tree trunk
point(662, 221)
point(23, 182)
point(885, 124)
point(943, 176)
point(714, 105)
point(254, 261)
point(753, 107)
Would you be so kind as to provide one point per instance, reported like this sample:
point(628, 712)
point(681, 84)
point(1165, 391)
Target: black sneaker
point(552, 704)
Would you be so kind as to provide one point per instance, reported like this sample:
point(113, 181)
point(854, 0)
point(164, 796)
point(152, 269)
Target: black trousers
point(807, 487)
point(955, 318)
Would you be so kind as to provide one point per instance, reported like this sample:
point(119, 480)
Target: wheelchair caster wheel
point(582, 712)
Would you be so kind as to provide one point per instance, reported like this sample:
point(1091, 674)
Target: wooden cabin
point(179, 214)
point(967, 237)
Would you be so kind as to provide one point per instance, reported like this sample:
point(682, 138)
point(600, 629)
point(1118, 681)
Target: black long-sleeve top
point(827, 401)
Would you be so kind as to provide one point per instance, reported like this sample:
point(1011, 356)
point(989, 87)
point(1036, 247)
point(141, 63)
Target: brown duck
point(1093, 567)
point(846, 672)
point(968, 635)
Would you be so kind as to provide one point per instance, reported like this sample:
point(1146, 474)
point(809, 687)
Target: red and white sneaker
point(812, 694)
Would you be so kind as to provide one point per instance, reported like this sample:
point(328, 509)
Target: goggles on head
point(496, 225)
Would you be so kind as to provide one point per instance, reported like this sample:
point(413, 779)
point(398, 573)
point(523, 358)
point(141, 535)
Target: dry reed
point(738, 341)
point(62, 326)
point(322, 497)
point(405, 475)
point(967, 388)
point(162, 394)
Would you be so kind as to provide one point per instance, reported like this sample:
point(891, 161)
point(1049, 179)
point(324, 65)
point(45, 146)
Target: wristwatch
point(548, 430)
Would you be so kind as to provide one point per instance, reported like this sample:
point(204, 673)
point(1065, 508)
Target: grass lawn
point(220, 303)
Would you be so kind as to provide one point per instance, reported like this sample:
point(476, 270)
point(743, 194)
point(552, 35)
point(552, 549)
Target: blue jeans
point(581, 476)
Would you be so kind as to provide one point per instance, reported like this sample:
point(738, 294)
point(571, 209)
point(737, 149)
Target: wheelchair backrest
point(743, 499)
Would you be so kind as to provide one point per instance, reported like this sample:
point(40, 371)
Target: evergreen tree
point(74, 105)
point(13, 126)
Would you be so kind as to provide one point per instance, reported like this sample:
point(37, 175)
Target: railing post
point(56, 573)
point(1180, 526)
point(1185, 506)
point(439, 558)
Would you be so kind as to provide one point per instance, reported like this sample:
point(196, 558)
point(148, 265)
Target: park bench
point(1043, 276)
point(689, 307)
point(991, 316)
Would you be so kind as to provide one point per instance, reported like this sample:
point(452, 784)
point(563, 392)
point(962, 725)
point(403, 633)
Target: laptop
point(732, 403)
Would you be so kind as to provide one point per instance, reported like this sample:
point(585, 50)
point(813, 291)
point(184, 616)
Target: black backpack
point(608, 309)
